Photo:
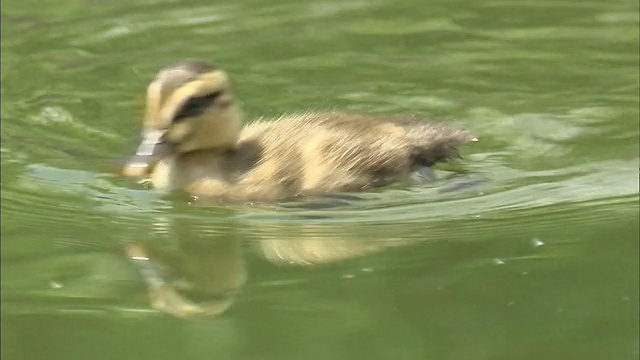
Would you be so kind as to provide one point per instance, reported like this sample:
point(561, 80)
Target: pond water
point(531, 252)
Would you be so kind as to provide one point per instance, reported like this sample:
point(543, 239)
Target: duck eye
point(196, 105)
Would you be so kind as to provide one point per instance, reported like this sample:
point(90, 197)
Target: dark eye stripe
point(196, 105)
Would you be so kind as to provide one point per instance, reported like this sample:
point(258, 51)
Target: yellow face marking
point(204, 84)
point(153, 103)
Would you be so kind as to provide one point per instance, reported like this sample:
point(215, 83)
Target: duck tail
point(439, 143)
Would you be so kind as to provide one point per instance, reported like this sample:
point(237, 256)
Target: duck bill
point(149, 152)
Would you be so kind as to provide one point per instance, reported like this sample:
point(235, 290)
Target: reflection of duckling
point(202, 275)
point(193, 139)
point(166, 295)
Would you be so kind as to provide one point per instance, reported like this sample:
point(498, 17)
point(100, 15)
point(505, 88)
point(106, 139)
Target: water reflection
point(203, 271)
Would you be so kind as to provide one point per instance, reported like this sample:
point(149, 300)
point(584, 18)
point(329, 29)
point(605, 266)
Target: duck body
point(307, 153)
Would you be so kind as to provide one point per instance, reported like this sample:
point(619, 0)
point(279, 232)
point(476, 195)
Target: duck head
point(189, 107)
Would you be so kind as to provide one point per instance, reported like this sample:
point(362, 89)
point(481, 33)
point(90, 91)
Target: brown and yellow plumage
point(195, 141)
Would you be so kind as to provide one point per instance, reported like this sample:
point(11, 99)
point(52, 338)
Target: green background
point(539, 260)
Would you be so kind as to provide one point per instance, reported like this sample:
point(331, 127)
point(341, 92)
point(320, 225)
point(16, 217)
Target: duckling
point(193, 139)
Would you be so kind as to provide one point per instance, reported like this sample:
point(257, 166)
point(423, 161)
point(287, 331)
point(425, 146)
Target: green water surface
point(531, 254)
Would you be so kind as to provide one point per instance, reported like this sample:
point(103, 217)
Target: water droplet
point(535, 242)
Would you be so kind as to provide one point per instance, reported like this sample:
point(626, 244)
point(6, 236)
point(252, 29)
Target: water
point(531, 253)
